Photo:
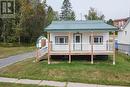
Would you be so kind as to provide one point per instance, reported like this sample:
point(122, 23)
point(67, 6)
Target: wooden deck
point(81, 52)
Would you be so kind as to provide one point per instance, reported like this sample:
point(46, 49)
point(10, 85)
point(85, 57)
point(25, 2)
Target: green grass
point(9, 51)
point(101, 72)
point(18, 85)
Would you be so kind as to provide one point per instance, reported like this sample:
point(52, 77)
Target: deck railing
point(105, 46)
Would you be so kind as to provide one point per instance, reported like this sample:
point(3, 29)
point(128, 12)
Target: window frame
point(57, 40)
point(99, 39)
point(78, 40)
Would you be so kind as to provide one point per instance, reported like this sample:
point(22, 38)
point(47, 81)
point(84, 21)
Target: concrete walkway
point(50, 83)
point(16, 58)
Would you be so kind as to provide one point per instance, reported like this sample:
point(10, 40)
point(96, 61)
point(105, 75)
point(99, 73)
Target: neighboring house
point(80, 38)
point(124, 38)
point(120, 22)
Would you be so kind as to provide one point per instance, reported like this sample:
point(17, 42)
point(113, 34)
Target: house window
point(7, 7)
point(97, 40)
point(61, 40)
point(77, 39)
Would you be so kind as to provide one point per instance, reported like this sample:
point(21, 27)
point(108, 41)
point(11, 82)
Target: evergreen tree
point(110, 21)
point(73, 15)
point(66, 11)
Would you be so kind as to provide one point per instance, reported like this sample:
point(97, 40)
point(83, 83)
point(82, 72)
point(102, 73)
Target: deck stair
point(40, 53)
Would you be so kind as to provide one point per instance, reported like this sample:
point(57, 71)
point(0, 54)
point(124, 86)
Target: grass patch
point(9, 51)
point(18, 85)
point(101, 72)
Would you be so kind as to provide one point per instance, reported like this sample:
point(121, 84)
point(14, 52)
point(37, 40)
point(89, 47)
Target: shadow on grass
point(101, 58)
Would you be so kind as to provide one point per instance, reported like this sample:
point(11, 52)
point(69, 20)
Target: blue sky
point(113, 9)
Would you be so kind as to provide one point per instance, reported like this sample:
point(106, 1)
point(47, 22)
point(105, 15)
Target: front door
point(78, 42)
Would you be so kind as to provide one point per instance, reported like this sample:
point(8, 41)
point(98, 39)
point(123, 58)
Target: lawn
point(18, 85)
point(9, 51)
point(101, 72)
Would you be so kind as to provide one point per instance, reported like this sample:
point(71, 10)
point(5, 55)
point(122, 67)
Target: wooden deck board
point(81, 53)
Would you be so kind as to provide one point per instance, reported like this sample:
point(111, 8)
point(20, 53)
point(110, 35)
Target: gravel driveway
point(13, 59)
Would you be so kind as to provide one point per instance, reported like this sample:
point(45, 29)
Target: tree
point(34, 18)
point(18, 32)
point(93, 15)
point(73, 15)
point(1, 25)
point(56, 16)
point(30, 19)
point(7, 30)
point(24, 13)
point(34, 3)
point(66, 11)
point(49, 16)
point(110, 22)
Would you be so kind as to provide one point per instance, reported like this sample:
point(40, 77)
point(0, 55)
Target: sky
point(112, 9)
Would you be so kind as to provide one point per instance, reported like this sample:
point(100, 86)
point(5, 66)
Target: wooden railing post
point(92, 40)
point(37, 55)
point(114, 48)
point(48, 35)
point(50, 45)
point(69, 34)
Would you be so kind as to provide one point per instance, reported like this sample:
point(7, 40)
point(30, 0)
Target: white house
point(124, 38)
point(80, 38)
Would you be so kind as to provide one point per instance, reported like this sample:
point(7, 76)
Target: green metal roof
point(79, 26)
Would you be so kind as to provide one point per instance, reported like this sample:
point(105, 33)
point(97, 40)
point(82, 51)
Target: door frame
point(74, 46)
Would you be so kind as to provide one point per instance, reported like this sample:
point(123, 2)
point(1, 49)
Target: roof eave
point(80, 30)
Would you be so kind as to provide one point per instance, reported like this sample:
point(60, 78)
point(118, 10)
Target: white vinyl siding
point(86, 46)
